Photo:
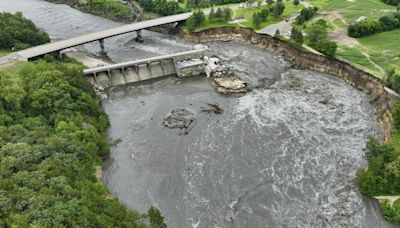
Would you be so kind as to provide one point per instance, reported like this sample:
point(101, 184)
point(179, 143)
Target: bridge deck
point(60, 45)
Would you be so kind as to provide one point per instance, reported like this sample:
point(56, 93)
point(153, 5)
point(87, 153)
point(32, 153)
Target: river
point(283, 155)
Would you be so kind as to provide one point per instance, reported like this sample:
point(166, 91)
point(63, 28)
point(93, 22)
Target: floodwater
point(283, 155)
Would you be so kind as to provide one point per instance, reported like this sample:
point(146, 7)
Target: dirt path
point(391, 199)
point(373, 63)
point(237, 21)
point(340, 36)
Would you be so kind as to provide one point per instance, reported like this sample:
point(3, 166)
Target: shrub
point(326, 47)
point(369, 26)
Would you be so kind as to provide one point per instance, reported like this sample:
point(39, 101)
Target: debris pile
point(224, 79)
point(212, 108)
point(182, 119)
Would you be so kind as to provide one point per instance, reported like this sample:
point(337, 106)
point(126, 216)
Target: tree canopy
point(18, 33)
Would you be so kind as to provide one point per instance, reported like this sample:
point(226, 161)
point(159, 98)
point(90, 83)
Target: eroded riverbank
point(283, 155)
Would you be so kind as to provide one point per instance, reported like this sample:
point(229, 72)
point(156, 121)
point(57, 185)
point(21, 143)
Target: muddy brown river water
point(283, 155)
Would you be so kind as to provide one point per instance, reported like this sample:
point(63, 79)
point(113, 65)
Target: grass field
point(375, 53)
point(352, 9)
point(3, 52)
point(383, 50)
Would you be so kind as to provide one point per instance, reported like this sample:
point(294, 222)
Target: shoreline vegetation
point(52, 136)
point(112, 9)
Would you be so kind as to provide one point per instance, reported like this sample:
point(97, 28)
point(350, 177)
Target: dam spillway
point(183, 64)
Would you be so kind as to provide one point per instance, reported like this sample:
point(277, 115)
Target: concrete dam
point(183, 64)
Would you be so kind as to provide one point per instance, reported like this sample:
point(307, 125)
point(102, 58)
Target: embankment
point(359, 79)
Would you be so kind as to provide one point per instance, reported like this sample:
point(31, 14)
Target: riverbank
point(359, 79)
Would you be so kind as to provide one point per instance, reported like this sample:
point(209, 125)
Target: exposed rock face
point(359, 79)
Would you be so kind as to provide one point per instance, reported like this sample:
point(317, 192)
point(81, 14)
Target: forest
point(52, 130)
point(19, 33)
point(161, 7)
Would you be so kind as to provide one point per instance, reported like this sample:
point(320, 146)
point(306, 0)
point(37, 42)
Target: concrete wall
point(132, 74)
point(359, 79)
point(146, 71)
point(183, 64)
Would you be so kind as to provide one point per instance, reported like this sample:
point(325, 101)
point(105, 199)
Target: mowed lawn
point(375, 53)
point(3, 52)
point(352, 9)
point(384, 48)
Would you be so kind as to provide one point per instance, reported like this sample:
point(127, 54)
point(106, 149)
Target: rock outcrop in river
point(223, 78)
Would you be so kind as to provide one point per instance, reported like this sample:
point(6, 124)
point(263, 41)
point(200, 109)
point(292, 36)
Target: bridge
point(56, 47)
point(183, 64)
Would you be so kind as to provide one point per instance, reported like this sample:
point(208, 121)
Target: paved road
point(284, 26)
point(64, 44)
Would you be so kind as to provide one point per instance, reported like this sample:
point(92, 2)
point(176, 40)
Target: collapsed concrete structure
point(182, 64)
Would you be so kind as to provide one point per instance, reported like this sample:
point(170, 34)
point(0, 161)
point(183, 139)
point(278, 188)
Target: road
point(64, 44)
point(284, 27)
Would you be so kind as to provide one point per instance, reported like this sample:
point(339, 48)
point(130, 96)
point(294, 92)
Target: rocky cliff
point(359, 79)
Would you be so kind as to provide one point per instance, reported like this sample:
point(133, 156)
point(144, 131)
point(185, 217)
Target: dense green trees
point(106, 8)
point(369, 26)
point(392, 2)
point(256, 20)
point(195, 21)
point(382, 177)
point(18, 33)
point(277, 9)
point(364, 28)
point(112, 9)
point(51, 138)
point(208, 3)
point(161, 7)
point(383, 174)
point(296, 36)
point(223, 15)
point(317, 35)
point(306, 14)
point(393, 80)
point(51, 128)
